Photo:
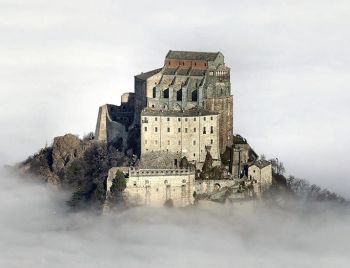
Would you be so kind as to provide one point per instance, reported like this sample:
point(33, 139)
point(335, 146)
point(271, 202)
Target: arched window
point(195, 95)
point(166, 94)
point(179, 95)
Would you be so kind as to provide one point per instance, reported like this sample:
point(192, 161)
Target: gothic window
point(166, 93)
point(154, 92)
point(194, 95)
point(179, 95)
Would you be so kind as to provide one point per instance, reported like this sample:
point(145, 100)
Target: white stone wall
point(182, 135)
point(153, 187)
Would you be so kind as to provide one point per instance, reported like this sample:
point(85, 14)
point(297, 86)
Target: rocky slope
point(81, 165)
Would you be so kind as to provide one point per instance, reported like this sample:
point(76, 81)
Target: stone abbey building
point(182, 109)
point(179, 120)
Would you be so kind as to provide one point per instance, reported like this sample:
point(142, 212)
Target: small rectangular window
point(195, 119)
point(204, 130)
point(155, 129)
point(211, 129)
point(211, 118)
point(179, 142)
point(204, 118)
point(194, 142)
point(186, 130)
point(155, 142)
point(145, 128)
point(179, 119)
point(194, 130)
point(211, 141)
point(179, 130)
point(168, 129)
point(168, 119)
point(186, 119)
point(168, 142)
point(156, 119)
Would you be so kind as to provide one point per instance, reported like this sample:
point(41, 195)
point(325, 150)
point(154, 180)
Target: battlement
point(160, 172)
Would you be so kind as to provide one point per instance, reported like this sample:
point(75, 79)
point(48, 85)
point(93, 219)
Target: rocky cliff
point(81, 165)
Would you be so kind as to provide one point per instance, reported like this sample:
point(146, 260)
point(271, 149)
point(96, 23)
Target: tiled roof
point(191, 55)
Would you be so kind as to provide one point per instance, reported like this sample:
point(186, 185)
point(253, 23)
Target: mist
point(38, 230)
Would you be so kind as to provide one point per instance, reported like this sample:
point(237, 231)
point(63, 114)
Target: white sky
point(290, 60)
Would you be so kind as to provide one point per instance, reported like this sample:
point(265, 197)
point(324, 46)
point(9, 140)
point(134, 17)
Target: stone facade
point(155, 187)
point(186, 134)
point(188, 80)
point(261, 171)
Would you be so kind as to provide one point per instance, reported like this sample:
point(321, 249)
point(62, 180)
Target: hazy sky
point(290, 60)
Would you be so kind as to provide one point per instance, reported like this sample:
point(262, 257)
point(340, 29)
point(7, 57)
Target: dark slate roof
point(261, 163)
point(169, 71)
point(145, 76)
point(184, 113)
point(191, 55)
point(197, 72)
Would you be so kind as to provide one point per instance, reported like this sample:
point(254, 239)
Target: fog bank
point(37, 230)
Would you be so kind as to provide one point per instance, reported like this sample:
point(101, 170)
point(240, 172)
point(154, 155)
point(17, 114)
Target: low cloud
point(37, 230)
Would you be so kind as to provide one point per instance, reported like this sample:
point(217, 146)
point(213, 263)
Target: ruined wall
point(108, 129)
